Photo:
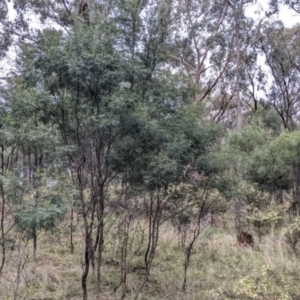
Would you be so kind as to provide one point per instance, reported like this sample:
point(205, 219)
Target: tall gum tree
point(201, 49)
point(238, 11)
point(5, 38)
point(281, 51)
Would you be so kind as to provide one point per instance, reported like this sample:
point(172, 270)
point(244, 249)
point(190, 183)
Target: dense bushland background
point(140, 141)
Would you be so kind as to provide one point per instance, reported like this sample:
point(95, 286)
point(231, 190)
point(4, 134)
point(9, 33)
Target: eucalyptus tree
point(240, 36)
point(202, 44)
point(211, 45)
point(274, 5)
point(5, 38)
point(281, 51)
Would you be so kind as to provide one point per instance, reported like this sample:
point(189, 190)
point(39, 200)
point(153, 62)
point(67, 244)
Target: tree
point(203, 51)
point(92, 99)
point(5, 39)
point(238, 10)
point(275, 167)
point(274, 5)
point(279, 46)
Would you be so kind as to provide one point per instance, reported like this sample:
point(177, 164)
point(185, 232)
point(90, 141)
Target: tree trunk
point(123, 262)
point(87, 248)
point(71, 231)
point(34, 242)
point(86, 267)
point(2, 229)
point(186, 265)
point(237, 91)
point(100, 236)
point(155, 211)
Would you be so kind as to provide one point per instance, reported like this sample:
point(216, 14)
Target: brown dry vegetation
point(219, 268)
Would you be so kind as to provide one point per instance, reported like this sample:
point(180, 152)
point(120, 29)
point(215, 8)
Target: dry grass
point(220, 269)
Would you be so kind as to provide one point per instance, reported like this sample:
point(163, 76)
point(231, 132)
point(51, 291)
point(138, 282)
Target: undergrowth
point(219, 269)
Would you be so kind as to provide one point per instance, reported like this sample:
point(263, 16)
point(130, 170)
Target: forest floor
point(219, 269)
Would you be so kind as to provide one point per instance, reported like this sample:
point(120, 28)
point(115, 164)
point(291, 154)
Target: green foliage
point(156, 149)
point(105, 115)
point(292, 233)
point(269, 286)
point(252, 137)
point(33, 217)
point(272, 164)
point(265, 221)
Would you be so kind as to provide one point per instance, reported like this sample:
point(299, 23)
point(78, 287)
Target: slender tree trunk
point(18, 279)
point(2, 213)
point(123, 262)
point(186, 265)
point(86, 264)
point(34, 241)
point(296, 189)
point(238, 78)
point(71, 231)
point(155, 211)
point(2, 228)
point(99, 258)
point(189, 248)
point(87, 240)
point(100, 236)
point(35, 179)
point(87, 249)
